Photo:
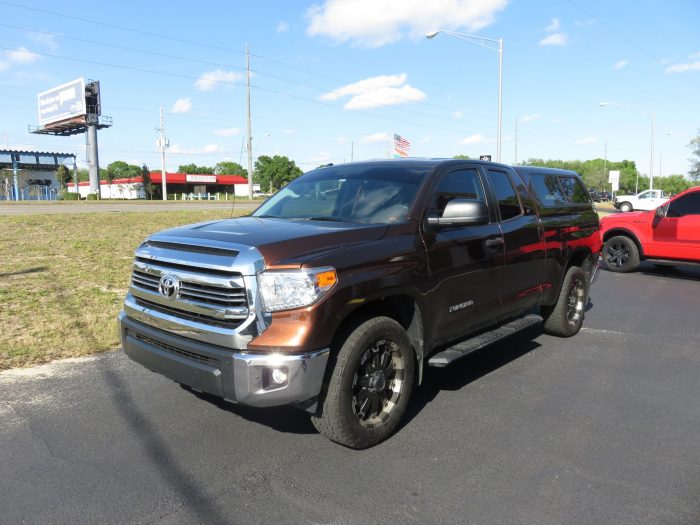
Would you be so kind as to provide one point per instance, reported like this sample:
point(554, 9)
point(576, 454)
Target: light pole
point(651, 153)
point(485, 42)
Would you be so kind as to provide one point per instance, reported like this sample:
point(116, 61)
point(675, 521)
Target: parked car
point(645, 200)
point(669, 234)
point(339, 289)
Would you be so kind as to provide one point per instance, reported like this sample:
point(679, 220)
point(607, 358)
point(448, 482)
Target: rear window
point(558, 190)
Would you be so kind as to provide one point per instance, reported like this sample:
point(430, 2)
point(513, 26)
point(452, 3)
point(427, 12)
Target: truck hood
point(282, 241)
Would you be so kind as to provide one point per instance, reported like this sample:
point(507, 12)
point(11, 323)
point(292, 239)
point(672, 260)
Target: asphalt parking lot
point(599, 428)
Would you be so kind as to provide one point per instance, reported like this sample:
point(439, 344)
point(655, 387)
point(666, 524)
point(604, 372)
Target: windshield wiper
point(324, 218)
point(266, 216)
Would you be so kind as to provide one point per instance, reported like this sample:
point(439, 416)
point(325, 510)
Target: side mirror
point(462, 212)
point(660, 212)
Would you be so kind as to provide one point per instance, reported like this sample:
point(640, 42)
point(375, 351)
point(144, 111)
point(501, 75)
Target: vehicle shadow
point(470, 368)
point(286, 419)
point(689, 272)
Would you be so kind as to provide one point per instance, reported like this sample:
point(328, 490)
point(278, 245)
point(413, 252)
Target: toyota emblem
point(169, 287)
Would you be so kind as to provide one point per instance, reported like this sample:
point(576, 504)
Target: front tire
point(625, 207)
point(565, 318)
point(620, 254)
point(370, 384)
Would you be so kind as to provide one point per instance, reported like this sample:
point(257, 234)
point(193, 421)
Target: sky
point(333, 80)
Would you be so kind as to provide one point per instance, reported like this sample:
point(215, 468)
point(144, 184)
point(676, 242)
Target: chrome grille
point(188, 315)
point(192, 291)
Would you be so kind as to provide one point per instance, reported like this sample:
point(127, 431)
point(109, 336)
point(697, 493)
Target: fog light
point(279, 376)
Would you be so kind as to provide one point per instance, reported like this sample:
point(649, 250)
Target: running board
point(451, 354)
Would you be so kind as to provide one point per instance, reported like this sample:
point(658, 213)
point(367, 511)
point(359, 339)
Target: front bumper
point(235, 375)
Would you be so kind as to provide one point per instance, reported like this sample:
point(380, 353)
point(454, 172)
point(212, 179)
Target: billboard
point(62, 102)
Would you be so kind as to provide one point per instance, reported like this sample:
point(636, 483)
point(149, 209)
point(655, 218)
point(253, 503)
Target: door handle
point(494, 243)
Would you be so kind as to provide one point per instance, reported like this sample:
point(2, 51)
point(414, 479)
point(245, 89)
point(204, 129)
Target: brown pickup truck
point(337, 291)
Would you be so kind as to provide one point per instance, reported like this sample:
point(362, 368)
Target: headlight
point(285, 289)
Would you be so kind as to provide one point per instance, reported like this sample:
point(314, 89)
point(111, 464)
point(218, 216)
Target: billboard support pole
point(93, 160)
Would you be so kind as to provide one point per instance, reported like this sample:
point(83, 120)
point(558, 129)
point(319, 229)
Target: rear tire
point(370, 384)
point(625, 207)
point(620, 254)
point(565, 318)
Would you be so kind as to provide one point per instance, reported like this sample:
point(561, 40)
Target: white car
point(643, 201)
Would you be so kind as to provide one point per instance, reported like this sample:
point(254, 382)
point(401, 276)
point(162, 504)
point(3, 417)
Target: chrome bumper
point(235, 375)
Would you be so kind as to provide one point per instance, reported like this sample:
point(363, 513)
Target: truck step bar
point(453, 353)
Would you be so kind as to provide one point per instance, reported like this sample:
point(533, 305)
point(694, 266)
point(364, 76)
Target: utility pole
point(352, 151)
point(250, 128)
point(163, 143)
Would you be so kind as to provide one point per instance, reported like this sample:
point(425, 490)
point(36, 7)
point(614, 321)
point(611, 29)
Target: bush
point(92, 196)
point(68, 196)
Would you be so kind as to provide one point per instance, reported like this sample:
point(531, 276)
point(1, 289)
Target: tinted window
point(574, 190)
point(508, 203)
point(547, 190)
point(460, 184)
point(686, 205)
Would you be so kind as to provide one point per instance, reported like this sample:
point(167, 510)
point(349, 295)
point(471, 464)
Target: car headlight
point(287, 289)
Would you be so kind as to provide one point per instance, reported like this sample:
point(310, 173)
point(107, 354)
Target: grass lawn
point(63, 279)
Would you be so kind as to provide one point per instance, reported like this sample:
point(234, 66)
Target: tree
point(463, 157)
point(230, 168)
point(672, 184)
point(274, 172)
point(694, 172)
point(194, 169)
point(121, 170)
point(149, 188)
point(63, 176)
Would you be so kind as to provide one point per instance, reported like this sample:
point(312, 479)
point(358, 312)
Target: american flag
point(401, 146)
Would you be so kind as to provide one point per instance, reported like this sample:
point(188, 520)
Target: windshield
point(360, 193)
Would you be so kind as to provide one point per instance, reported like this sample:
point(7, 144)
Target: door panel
point(521, 274)
point(463, 262)
point(677, 236)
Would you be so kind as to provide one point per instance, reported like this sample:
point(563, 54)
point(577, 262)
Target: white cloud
point(558, 120)
point(213, 79)
point(44, 39)
point(21, 56)
point(383, 90)
point(473, 139)
point(553, 26)
point(555, 39)
point(587, 140)
point(4, 65)
point(620, 64)
point(376, 137)
point(227, 132)
point(682, 68)
point(212, 148)
point(289, 131)
point(457, 114)
point(282, 27)
point(177, 149)
point(182, 105)
point(374, 23)
point(529, 118)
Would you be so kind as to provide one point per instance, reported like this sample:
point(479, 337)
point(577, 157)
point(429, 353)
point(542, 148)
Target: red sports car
point(670, 234)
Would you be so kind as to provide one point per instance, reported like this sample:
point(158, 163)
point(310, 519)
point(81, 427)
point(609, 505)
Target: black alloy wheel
point(378, 382)
point(620, 254)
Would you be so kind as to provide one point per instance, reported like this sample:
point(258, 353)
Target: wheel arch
point(615, 232)
point(402, 308)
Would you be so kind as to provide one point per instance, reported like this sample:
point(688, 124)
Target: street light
point(651, 154)
point(485, 42)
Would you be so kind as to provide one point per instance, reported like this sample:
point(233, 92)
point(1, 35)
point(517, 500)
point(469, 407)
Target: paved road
point(53, 207)
point(600, 428)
